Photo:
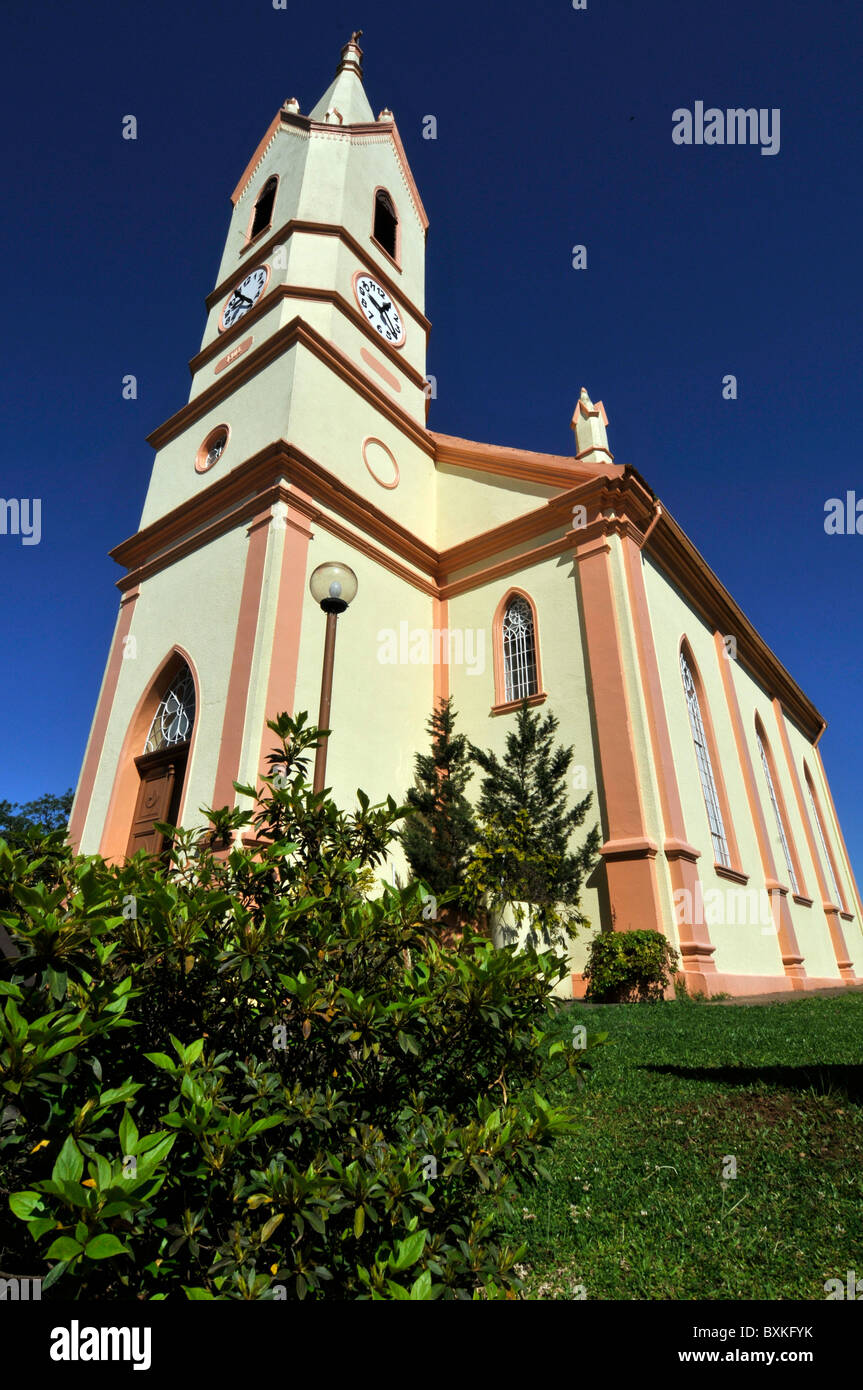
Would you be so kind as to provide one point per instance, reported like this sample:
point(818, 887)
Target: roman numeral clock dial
point(244, 296)
point(377, 305)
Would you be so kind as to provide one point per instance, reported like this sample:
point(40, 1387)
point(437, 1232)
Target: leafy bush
point(21, 824)
point(629, 965)
point(238, 1076)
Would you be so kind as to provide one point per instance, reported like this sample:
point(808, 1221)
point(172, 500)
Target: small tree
point(523, 853)
point(30, 821)
point(438, 837)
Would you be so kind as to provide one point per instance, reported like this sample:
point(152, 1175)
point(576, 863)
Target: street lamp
point(333, 586)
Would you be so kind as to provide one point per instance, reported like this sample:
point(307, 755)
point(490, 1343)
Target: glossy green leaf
point(70, 1163)
point(103, 1246)
point(63, 1248)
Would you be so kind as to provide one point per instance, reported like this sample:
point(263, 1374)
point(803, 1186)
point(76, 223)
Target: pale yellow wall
point(853, 930)
point(740, 949)
point(470, 502)
point(746, 949)
point(258, 330)
point(339, 273)
point(258, 413)
point(342, 191)
point(809, 922)
point(333, 434)
point(379, 710)
point(193, 605)
point(322, 262)
point(286, 156)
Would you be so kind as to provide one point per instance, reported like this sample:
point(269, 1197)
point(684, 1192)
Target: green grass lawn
point(635, 1205)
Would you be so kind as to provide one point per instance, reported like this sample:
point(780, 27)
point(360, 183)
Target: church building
point(484, 571)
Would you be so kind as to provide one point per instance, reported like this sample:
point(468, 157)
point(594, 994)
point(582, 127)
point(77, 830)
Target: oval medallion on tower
point(381, 462)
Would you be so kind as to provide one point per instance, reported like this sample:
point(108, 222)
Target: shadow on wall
point(597, 879)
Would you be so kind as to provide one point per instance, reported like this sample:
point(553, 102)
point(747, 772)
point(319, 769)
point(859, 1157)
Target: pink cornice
point(381, 131)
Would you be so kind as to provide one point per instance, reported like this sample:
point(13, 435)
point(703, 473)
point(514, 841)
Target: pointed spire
point(352, 55)
point(589, 423)
point(345, 102)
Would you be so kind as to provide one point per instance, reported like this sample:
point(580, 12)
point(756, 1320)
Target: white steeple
point(345, 102)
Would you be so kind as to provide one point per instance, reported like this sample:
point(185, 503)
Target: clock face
point(379, 309)
point(216, 449)
point(243, 296)
point(212, 449)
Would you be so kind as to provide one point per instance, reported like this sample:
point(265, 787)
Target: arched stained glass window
point(519, 650)
point(780, 826)
point(173, 720)
point(705, 767)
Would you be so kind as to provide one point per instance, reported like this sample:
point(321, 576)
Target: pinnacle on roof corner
point(589, 423)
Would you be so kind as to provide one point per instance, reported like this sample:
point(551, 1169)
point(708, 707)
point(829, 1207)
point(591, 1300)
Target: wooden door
point(158, 798)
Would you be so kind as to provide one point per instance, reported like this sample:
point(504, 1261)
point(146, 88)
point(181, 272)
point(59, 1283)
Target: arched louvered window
point(519, 650)
point(264, 207)
point(173, 720)
point(780, 822)
point(705, 766)
point(822, 836)
point(385, 230)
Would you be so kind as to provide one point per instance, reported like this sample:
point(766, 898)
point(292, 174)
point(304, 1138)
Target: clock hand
point(381, 308)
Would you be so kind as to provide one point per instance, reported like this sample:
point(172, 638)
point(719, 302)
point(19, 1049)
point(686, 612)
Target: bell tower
point(325, 251)
point(305, 422)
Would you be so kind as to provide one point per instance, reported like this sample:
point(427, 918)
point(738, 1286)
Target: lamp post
point(333, 586)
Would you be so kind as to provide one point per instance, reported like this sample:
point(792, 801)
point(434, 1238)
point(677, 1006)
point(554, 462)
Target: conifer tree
point(527, 823)
point(439, 834)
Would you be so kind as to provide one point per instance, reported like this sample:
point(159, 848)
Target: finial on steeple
point(352, 54)
point(345, 102)
point(589, 423)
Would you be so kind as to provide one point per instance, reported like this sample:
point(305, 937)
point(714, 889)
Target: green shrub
point(629, 965)
point(239, 1076)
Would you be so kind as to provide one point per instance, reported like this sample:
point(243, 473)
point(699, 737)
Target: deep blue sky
point(554, 128)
